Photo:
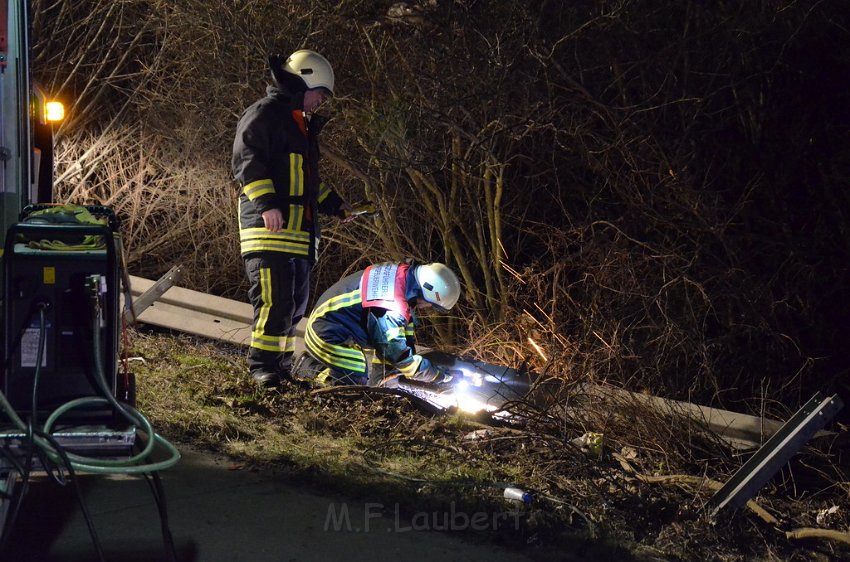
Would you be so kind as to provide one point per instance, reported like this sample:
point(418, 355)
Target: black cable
point(42, 330)
point(78, 492)
point(130, 415)
point(11, 459)
point(100, 376)
point(29, 441)
point(13, 513)
point(158, 493)
point(23, 470)
point(47, 464)
point(53, 469)
point(29, 438)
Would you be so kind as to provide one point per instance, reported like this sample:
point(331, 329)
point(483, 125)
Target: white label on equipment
point(381, 283)
point(29, 348)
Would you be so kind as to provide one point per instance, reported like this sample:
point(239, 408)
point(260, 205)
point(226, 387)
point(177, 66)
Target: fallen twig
point(699, 481)
point(811, 533)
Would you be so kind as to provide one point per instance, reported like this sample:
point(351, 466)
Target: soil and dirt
point(642, 498)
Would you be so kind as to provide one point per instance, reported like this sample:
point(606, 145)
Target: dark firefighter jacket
point(276, 162)
point(340, 318)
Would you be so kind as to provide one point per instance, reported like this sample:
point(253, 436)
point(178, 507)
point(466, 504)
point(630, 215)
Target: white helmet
point(311, 67)
point(440, 285)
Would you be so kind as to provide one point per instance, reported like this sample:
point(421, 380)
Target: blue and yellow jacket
point(276, 162)
point(341, 319)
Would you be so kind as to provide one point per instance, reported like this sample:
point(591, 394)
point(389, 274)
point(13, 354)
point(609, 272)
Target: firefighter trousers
point(279, 290)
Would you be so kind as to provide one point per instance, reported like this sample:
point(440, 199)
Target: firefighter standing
point(374, 310)
point(276, 162)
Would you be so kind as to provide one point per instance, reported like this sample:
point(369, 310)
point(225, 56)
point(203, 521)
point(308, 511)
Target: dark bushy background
point(655, 192)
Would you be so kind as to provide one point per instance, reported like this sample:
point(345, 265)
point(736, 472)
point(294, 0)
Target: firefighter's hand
point(390, 381)
point(366, 210)
point(432, 374)
point(444, 376)
point(273, 220)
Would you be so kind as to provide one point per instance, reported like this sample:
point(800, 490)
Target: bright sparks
point(537, 348)
point(463, 400)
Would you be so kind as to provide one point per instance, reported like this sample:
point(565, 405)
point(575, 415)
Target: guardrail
point(162, 304)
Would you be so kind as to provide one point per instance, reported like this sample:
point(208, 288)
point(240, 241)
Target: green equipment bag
point(67, 215)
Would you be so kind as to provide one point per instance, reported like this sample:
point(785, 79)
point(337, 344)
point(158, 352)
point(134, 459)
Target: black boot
point(264, 367)
point(266, 377)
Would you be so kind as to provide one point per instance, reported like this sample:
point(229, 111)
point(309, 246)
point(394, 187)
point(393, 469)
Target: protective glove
point(432, 374)
point(445, 376)
point(390, 381)
point(367, 210)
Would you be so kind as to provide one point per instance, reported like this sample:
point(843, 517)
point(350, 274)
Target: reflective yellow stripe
point(271, 348)
point(274, 246)
point(333, 358)
point(337, 302)
point(322, 378)
point(286, 234)
point(296, 217)
point(288, 344)
point(265, 297)
point(324, 191)
point(259, 339)
point(266, 339)
point(296, 174)
point(411, 368)
point(393, 332)
point(358, 366)
point(258, 188)
point(334, 353)
point(263, 240)
point(337, 355)
point(407, 370)
point(266, 343)
point(319, 344)
point(344, 357)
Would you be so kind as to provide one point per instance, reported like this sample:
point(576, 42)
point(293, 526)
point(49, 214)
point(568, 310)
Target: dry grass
point(173, 212)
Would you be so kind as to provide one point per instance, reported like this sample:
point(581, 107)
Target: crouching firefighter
point(374, 309)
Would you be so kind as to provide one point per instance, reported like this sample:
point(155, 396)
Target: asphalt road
point(220, 513)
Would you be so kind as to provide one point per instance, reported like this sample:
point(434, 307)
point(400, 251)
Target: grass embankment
point(640, 499)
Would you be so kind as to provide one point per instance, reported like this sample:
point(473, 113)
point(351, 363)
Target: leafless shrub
point(573, 173)
point(171, 213)
point(625, 188)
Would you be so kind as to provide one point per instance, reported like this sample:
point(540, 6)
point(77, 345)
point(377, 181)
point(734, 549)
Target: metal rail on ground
point(230, 321)
point(775, 453)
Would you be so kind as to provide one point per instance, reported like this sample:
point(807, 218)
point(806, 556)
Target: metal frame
point(777, 451)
